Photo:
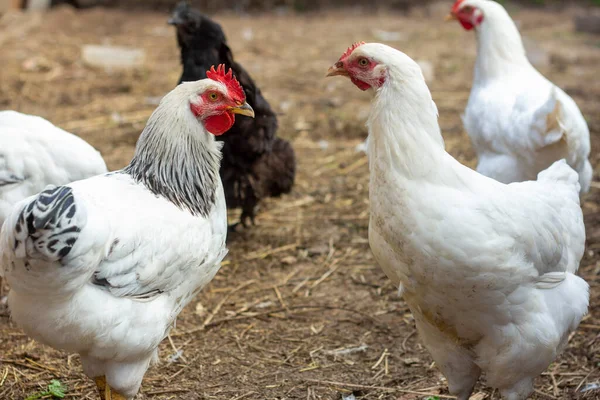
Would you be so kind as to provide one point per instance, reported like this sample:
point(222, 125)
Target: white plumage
point(519, 121)
point(487, 269)
point(103, 266)
point(137, 261)
point(34, 153)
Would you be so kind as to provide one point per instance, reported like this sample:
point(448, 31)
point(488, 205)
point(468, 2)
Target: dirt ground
point(299, 310)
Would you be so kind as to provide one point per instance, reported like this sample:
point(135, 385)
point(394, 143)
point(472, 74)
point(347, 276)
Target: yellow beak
point(336, 69)
point(244, 109)
point(450, 17)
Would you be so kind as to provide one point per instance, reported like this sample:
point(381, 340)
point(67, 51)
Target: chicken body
point(34, 153)
point(487, 269)
point(137, 260)
point(103, 266)
point(519, 121)
point(256, 163)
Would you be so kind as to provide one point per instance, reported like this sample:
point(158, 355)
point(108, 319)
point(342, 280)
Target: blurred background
point(268, 5)
point(300, 310)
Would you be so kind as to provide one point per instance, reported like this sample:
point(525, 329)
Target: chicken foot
point(243, 221)
point(105, 391)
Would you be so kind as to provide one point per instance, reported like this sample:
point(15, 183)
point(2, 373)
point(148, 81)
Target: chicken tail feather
point(282, 161)
point(560, 171)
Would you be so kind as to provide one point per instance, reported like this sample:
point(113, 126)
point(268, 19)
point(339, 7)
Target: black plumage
point(256, 163)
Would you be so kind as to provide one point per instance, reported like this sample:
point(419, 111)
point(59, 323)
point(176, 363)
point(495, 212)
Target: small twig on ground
point(278, 293)
point(223, 300)
point(589, 326)
point(264, 254)
point(41, 365)
point(406, 339)
point(545, 394)
point(584, 379)
point(177, 353)
point(335, 264)
point(243, 396)
point(165, 391)
point(357, 164)
point(555, 390)
point(22, 364)
point(380, 360)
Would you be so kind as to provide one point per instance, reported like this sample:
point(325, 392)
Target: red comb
point(351, 49)
point(233, 86)
point(456, 5)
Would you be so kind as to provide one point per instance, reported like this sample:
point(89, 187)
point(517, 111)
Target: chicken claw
point(105, 391)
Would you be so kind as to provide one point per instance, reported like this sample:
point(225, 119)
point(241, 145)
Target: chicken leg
point(105, 391)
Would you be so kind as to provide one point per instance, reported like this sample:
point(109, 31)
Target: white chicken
point(103, 266)
point(487, 269)
point(519, 121)
point(34, 153)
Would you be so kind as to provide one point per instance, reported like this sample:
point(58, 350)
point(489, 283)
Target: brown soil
point(300, 289)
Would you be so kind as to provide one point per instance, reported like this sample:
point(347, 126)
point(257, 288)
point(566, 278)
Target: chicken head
point(217, 105)
point(467, 13)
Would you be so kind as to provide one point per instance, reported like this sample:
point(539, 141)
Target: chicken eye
point(467, 9)
point(213, 96)
point(363, 62)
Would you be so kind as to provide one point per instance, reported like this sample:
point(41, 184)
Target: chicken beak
point(337, 69)
point(244, 109)
point(173, 21)
point(450, 17)
point(176, 20)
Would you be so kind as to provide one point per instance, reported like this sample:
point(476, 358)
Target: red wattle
point(219, 124)
point(466, 24)
point(360, 84)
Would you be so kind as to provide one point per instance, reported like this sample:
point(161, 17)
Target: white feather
point(516, 117)
point(34, 153)
point(487, 269)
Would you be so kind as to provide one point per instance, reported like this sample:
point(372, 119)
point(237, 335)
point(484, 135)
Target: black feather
point(256, 164)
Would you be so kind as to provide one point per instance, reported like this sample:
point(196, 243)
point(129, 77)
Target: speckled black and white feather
point(186, 172)
point(47, 225)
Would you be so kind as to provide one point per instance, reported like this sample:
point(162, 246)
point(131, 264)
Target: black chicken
point(256, 163)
